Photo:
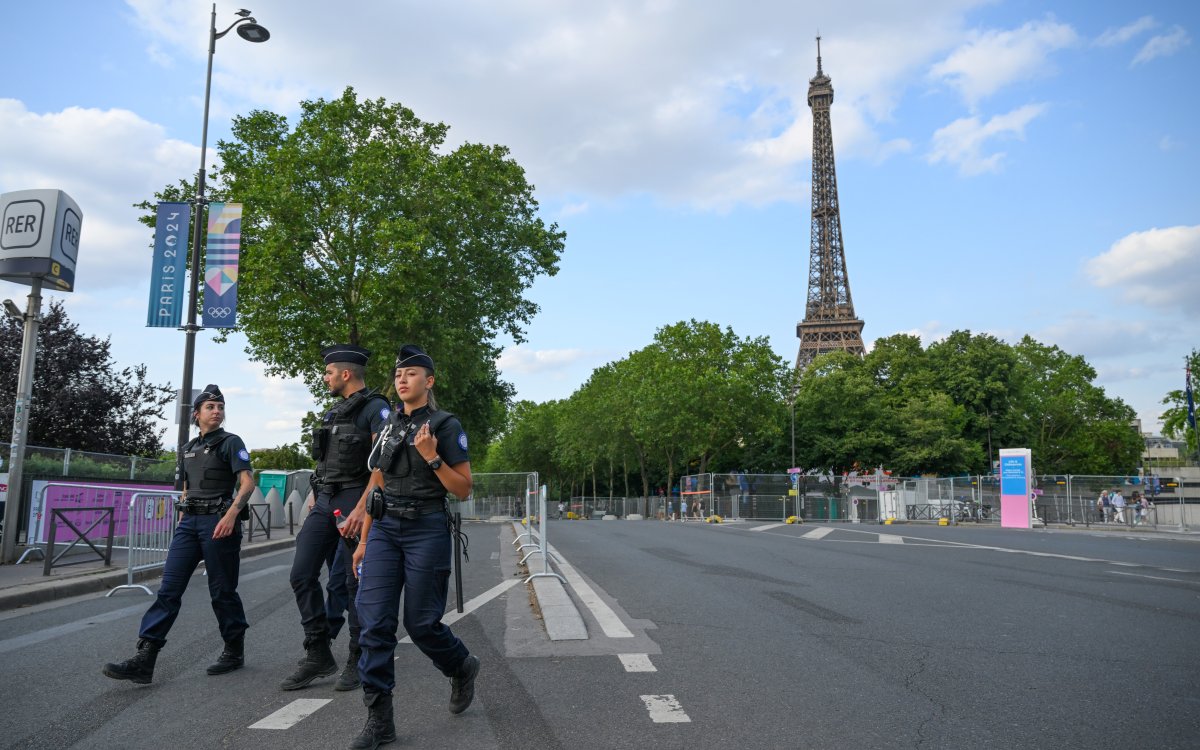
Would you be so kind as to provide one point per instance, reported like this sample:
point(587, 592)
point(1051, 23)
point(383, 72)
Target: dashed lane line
point(454, 615)
point(291, 714)
point(818, 533)
point(664, 709)
point(1155, 578)
point(766, 526)
point(637, 662)
point(890, 539)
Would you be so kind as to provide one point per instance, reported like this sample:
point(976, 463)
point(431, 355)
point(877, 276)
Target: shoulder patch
point(384, 413)
point(244, 454)
point(462, 440)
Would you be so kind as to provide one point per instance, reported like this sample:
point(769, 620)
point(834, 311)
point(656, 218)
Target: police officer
point(421, 455)
point(340, 446)
point(209, 528)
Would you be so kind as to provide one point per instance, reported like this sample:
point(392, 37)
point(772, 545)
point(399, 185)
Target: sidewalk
point(84, 573)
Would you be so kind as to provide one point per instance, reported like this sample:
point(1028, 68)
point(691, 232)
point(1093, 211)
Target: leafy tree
point(1174, 419)
point(1076, 427)
point(80, 401)
point(360, 227)
point(287, 456)
point(841, 417)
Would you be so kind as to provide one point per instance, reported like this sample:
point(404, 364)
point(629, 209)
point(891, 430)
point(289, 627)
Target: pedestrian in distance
point(1118, 506)
point(340, 446)
point(419, 458)
point(1101, 507)
point(217, 482)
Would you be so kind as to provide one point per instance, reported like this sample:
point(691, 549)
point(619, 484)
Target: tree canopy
point(360, 227)
point(80, 400)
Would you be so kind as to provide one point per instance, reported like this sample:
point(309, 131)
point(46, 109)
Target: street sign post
point(39, 243)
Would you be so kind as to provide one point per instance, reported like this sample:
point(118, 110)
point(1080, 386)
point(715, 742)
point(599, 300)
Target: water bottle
point(350, 541)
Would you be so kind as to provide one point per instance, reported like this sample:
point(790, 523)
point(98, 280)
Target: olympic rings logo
point(219, 312)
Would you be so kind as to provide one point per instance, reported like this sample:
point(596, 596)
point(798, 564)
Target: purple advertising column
point(1016, 477)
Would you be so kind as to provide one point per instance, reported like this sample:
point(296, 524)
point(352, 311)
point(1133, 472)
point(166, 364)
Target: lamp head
point(243, 13)
point(252, 32)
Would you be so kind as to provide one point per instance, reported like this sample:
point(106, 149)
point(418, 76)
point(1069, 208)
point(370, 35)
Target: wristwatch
point(436, 463)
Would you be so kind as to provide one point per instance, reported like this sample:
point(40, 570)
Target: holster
point(376, 506)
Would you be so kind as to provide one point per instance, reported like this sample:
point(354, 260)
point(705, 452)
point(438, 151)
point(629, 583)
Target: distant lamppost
point(251, 31)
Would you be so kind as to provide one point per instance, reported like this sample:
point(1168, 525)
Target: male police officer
point(209, 529)
point(341, 446)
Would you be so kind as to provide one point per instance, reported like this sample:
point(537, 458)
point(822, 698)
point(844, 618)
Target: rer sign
point(39, 237)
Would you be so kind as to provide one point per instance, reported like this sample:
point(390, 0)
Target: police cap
point(348, 353)
point(210, 393)
point(411, 355)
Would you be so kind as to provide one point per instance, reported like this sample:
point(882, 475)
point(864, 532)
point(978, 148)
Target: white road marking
point(818, 533)
point(608, 620)
point(454, 615)
point(664, 709)
point(637, 662)
point(768, 526)
point(40, 636)
point(1156, 578)
point(1128, 565)
point(291, 714)
point(890, 539)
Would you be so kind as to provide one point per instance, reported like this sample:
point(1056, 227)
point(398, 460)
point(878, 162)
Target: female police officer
point(209, 529)
point(421, 455)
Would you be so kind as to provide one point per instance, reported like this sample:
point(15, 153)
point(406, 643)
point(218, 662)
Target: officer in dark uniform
point(210, 514)
point(421, 455)
point(341, 446)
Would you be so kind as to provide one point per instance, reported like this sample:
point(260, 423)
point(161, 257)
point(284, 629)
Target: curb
point(104, 580)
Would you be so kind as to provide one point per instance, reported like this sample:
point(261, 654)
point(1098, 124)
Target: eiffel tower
point(829, 323)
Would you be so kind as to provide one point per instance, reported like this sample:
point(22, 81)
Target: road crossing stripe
point(890, 539)
point(637, 662)
point(664, 709)
point(454, 615)
point(291, 714)
point(818, 533)
point(768, 526)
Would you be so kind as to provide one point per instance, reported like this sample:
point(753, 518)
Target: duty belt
point(198, 508)
point(410, 509)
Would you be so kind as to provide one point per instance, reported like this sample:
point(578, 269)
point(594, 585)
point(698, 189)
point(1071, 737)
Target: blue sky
point(1007, 167)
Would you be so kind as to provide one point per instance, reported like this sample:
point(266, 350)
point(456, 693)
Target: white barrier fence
point(151, 526)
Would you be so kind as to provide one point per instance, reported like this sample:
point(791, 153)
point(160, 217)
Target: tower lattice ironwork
point(829, 321)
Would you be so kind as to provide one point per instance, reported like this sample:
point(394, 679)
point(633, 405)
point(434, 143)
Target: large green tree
point(361, 226)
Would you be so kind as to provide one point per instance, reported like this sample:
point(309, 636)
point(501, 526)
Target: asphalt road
point(701, 636)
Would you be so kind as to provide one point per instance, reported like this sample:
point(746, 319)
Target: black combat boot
point(380, 727)
point(348, 679)
point(140, 668)
point(318, 662)
point(462, 685)
point(233, 657)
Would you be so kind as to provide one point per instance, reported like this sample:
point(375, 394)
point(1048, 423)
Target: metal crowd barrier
point(81, 536)
point(152, 518)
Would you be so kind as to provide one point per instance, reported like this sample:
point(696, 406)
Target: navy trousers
point(413, 556)
point(317, 541)
point(192, 543)
point(337, 599)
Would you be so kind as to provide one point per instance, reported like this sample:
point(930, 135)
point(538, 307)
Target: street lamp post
point(251, 31)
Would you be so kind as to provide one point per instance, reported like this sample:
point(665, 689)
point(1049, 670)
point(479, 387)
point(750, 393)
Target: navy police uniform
point(341, 445)
point(211, 464)
point(409, 550)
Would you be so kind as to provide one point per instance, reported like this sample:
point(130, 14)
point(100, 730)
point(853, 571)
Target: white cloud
point(525, 360)
point(963, 141)
point(678, 100)
point(1157, 267)
point(1167, 143)
point(106, 160)
point(1163, 45)
point(1096, 337)
point(993, 59)
point(1113, 37)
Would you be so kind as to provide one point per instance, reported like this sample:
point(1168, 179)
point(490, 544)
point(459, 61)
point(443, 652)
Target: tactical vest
point(340, 447)
point(208, 476)
point(406, 474)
